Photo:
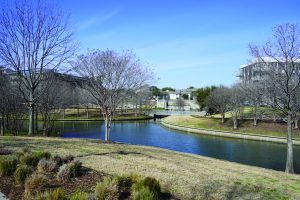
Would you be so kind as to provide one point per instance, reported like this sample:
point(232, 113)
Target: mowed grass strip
point(245, 126)
point(187, 176)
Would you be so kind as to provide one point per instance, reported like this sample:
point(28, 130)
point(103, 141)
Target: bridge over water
point(165, 113)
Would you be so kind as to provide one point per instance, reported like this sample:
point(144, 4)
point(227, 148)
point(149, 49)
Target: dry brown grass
point(185, 175)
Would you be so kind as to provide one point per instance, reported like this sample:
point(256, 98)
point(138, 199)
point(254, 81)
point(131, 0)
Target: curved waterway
point(150, 133)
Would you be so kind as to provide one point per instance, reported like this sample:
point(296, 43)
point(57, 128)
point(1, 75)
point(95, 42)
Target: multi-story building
point(256, 69)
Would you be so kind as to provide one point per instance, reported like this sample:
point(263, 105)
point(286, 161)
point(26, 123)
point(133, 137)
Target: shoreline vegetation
point(187, 176)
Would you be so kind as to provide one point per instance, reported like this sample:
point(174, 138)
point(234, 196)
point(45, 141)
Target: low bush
point(33, 159)
point(59, 161)
point(124, 181)
point(22, 172)
point(149, 188)
point(143, 194)
point(67, 158)
point(153, 185)
point(63, 173)
point(78, 195)
point(35, 184)
point(5, 151)
point(56, 194)
point(7, 165)
point(107, 189)
point(45, 165)
point(74, 168)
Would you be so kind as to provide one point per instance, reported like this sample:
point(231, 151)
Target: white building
point(256, 69)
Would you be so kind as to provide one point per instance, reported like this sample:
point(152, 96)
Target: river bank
point(187, 176)
point(209, 126)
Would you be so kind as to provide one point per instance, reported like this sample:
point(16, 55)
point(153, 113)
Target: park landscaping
point(185, 176)
point(264, 128)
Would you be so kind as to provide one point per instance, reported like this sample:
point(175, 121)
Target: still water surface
point(150, 133)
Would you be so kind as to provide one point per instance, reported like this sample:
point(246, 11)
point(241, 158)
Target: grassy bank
point(185, 175)
point(246, 126)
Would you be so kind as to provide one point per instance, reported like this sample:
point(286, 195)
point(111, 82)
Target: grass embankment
point(245, 126)
point(185, 175)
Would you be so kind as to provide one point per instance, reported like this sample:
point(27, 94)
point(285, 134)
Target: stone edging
point(229, 134)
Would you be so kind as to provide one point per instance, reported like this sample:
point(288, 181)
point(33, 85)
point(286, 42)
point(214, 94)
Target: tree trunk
point(223, 117)
point(255, 116)
point(31, 115)
point(2, 126)
point(289, 157)
point(255, 121)
point(107, 127)
point(36, 120)
point(87, 112)
point(296, 123)
point(235, 123)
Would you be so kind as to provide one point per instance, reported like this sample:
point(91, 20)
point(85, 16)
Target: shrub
point(7, 165)
point(33, 158)
point(149, 188)
point(5, 151)
point(22, 172)
point(58, 160)
point(74, 168)
point(124, 181)
point(78, 195)
point(67, 158)
point(63, 173)
point(56, 194)
point(45, 165)
point(34, 184)
point(107, 189)
point(153, 185)
point(143, 194)
point(26, 151)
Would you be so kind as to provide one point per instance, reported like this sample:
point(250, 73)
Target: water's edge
point(246, 136)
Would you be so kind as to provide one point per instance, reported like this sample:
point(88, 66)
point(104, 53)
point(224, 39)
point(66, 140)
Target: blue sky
point(186, 42)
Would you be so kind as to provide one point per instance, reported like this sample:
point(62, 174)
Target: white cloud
point(96, 20)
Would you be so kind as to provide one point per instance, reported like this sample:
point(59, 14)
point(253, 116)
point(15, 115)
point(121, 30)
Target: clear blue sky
point(187, 43)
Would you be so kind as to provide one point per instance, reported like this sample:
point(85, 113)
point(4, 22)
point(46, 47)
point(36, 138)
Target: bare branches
point(280, 62)
point(110, 78)
point(34, 38)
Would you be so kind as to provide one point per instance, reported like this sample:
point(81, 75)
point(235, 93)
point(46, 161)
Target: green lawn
point(246, 126)
point(186, 176)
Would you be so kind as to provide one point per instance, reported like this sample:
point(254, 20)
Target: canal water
point(150, 133)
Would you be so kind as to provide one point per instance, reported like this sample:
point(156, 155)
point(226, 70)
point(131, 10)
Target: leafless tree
point(254, 96)
point(11, 106)
point(180, 103)
point(110, 76)
point(52, 100)
point(219, 100)
point(282, 76)
point(34, 37)
point(141, 99)
point(236, 103)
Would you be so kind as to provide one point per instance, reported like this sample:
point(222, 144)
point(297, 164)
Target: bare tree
point(34, 37)
point(236, 104)
point(280, 58)
point(180, 103)
point(141, 99)
point(219, 100)
point(254, 94)
point(110, 76)
point(11, 106)
point(52, 99)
